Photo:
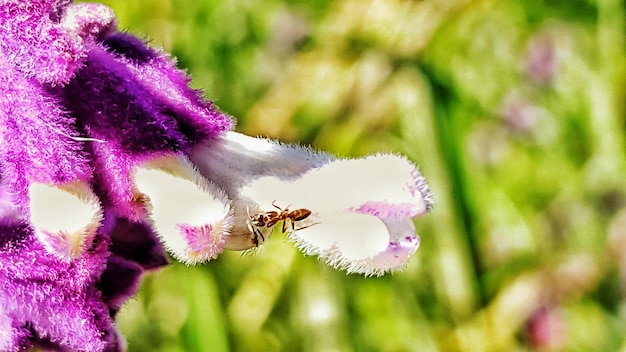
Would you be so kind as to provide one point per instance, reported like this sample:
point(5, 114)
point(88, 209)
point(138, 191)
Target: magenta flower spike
point(108, 158)
point(81, 106)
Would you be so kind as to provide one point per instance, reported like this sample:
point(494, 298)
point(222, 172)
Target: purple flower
point(81, 105)
point(107, 158)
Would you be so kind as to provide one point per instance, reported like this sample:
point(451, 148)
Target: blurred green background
point(514, 111)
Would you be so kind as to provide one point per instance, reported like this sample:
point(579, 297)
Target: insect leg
point(304, 227)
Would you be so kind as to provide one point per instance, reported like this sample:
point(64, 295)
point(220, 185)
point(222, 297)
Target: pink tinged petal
point(383, 209)
point(191, 215)
point(65, 219)
point(403, 243)
point(358, 243)
point(204, 242)
point(394, 258)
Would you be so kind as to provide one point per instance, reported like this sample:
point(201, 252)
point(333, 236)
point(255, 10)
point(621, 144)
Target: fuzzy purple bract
point(82, 104)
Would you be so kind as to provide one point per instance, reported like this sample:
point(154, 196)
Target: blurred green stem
point(450, 132)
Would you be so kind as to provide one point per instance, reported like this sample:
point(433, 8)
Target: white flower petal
point(65, 218)
point(355, 236)
point(381, 185)
point(375, 197)
point(361, 209)
point(191, 215)
point(379, 178)
point(232, 160)
point(359, 243)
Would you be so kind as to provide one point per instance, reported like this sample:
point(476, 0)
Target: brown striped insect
point(270, 218)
